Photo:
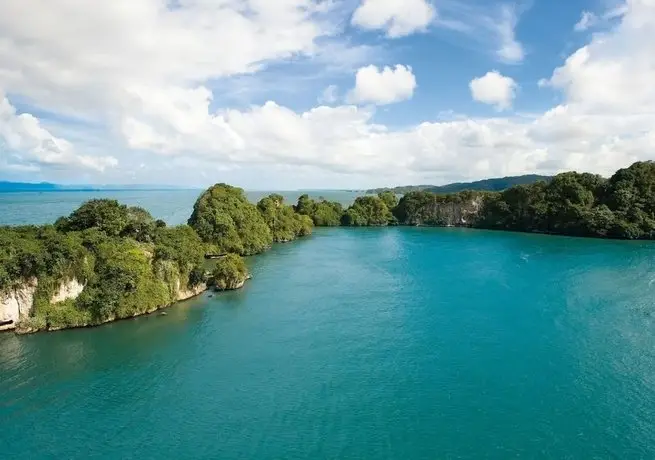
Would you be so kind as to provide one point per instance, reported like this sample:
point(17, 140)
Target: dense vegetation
point(368, 211)
point(284, 223)
point(129, 263)
point(486, 185)
point(323, 213)
point(230, 272)
point(577, 204)
point(224, 218)
point(580, 205)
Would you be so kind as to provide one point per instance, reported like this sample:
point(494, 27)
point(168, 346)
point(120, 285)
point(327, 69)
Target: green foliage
point(223, 217)
point(230, 272)
point(580, 205)
point(285, 224)
point(323, 213)
point(111, 218)
point(131, 264)
point(368, 211)
point(389, 198)
point(183, 246)
point(28, 251)
point(124, 284)
point(304, 225)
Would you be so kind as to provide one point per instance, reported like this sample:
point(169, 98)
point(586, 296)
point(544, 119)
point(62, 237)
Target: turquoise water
point(397, 343)
point(173, 206)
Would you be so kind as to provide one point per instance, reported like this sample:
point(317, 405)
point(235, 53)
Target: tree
point(368, 210)
point(111, 218)
point(389, 198)
point(285, 224)
point(223, 217)
point(323, 213)
point(230, 273)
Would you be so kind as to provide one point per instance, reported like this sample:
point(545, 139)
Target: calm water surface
point(397, 343)
point(173, 206)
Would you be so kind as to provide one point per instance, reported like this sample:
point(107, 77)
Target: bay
point(410, 343)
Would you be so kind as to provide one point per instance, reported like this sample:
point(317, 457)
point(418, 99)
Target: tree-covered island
point(107, 261)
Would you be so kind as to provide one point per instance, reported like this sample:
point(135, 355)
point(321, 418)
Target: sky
point(309, 94)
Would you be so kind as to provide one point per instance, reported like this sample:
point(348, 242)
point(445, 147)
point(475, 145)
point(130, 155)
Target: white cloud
point(587, 20)
point(144, 73)
point(613, 74)
point(510, 50)
point(77, 56)
point(396, 17)
point(30, 145)
point(383, 86)
point(492, 26)
point(330, 95)
point(494, 89)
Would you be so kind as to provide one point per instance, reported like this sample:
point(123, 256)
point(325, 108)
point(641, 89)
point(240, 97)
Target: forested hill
point(491, 185)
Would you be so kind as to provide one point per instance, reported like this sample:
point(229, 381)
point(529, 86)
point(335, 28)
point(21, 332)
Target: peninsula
point(107, 261)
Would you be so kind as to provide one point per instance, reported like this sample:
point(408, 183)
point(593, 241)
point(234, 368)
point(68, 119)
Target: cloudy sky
point(285, 94)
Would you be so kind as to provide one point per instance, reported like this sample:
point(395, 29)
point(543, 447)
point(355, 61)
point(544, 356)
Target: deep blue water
point(398, 343)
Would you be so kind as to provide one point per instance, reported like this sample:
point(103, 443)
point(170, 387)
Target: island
point(107, 261)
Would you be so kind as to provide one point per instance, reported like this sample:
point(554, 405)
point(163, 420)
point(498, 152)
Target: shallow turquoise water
point(173, 206)
point(397, 343)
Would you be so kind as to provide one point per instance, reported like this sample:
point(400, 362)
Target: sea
point(373, 343)
point(172, 206)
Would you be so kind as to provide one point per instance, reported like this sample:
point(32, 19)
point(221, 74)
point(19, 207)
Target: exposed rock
point(231, 284)
point(16, 303)
point(192, 292)
point(68, 290)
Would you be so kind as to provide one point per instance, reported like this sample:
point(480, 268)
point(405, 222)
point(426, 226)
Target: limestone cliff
point(461, 214)
point(68, 290)
point(184, 294)
point(421, 208)
point(231, 284)
point(16, 303)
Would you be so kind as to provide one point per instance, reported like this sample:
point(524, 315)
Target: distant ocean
point(172, 206)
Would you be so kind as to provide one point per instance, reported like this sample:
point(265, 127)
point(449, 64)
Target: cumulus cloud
point(144, 72)
point(78, 56)
point(396, 17)
point(494, 89)
point(383, 86)
point(32, 146)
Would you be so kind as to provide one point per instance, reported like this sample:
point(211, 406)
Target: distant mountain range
point(6, 186)
point(491, 185)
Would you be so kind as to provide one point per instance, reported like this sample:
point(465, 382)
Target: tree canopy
point(367, 211)
point(323, 213)
point(283, 221)
point(224, 217)
point(230, 272)
point(112, 218)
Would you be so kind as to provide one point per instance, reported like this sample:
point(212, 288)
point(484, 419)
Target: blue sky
point(322, 94)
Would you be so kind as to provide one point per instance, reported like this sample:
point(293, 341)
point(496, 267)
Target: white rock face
point(17, 303)
point(187, 294)
point(68, 290)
